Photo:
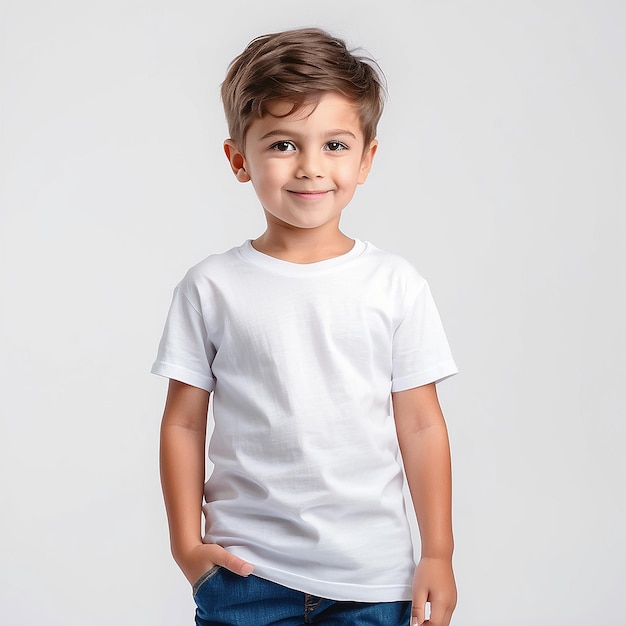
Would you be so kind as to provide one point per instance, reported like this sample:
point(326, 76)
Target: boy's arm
point(182, 454)
point(423, 440)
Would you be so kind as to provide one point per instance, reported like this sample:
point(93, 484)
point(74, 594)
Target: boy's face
point(304, 167)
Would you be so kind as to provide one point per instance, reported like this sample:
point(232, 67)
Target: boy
point(322, 353)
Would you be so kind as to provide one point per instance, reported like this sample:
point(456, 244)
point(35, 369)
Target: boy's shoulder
point(393, 259)
point(395, 264)
point(214, 262)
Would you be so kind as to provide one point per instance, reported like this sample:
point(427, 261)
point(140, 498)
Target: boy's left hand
point(433, 582)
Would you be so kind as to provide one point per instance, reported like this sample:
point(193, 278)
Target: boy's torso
point(307, 484)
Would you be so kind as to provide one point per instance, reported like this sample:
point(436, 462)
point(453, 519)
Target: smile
point(309, 195)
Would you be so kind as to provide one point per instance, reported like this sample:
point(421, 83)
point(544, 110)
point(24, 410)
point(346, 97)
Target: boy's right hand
point(202, 557)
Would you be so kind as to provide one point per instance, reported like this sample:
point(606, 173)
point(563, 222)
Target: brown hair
point(297, 66)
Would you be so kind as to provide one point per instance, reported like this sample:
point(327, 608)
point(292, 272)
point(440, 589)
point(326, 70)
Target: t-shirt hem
point(435, 374)
point(168, 370)
point(342, 592)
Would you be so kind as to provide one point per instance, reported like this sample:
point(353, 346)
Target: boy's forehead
point(331, 109)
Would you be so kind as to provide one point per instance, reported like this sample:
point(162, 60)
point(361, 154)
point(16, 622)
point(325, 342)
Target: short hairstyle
point(298, 66)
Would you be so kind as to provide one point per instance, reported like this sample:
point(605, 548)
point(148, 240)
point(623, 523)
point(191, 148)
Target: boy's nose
point(310, 166)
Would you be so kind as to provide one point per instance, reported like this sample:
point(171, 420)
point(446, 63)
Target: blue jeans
point(226, 599)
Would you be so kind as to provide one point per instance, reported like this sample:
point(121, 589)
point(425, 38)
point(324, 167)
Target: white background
point(501, 175)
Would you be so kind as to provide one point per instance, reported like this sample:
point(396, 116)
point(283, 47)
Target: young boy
point(322, 353)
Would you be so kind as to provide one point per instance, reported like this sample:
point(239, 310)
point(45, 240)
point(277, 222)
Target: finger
point(418, 610)
point(448, 616)
point(418, 613)
point(233, 563)
point(440, 615)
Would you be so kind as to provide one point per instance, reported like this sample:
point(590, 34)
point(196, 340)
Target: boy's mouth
point(308, 195)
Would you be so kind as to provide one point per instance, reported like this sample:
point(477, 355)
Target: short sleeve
point(185, 352)
point(421, 353)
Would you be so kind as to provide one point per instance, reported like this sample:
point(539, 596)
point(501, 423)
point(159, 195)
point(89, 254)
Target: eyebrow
point(281, 132)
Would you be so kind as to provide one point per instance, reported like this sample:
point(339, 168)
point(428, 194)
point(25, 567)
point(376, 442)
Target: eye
point(336, 146)
point(283, 146)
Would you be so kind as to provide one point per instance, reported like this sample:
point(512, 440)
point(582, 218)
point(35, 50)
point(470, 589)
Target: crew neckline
point(249, 253)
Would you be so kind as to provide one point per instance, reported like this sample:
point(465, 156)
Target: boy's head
point(298, 66)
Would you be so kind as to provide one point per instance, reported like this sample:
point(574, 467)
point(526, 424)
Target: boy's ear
point(237, 160)
point(366, 161)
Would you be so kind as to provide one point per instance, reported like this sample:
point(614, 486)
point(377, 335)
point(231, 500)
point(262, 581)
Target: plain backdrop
point(501, 174)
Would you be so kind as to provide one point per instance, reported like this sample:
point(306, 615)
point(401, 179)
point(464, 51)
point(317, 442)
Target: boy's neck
point(303, 246)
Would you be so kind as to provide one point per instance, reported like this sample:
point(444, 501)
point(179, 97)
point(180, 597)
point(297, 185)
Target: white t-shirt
point(302, 359)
